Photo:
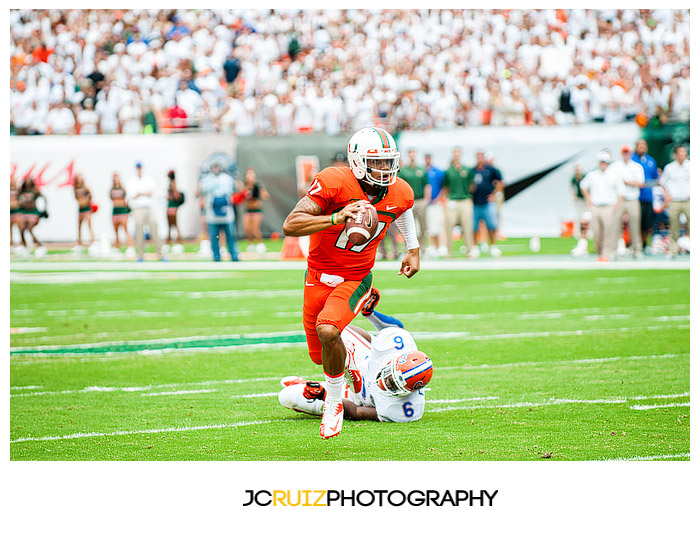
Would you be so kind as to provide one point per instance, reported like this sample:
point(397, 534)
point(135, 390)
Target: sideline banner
point(57, 158)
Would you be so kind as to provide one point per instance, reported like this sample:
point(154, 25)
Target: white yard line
point(134, 432)
point(467, 336)
point(257, 395)
point(615, 280)
point(659, 406)
point(595, 318)
point(647, 458)
point(534, 315)
point(456, 400)
point(573, 294)
point(106, 276)
point(587, 360)
point(21, 331)
point(245, 294)
point(139, 388)
point(561, 401)
point(183, 392)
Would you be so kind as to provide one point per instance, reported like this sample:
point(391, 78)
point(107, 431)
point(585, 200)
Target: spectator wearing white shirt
point(88, 120)
point(399, 51)
point(60, 119)
point(631, 173)
point(130, 117)
point(140, 195)
point(37, 124)
point(675, 181)
point(603, 193)
point(107, 108)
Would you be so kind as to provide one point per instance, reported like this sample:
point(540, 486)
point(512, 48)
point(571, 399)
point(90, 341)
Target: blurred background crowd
point(274, 72)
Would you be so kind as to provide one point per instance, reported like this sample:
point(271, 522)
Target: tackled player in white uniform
point(385, 376)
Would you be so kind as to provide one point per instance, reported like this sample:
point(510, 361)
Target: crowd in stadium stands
point(293, 71)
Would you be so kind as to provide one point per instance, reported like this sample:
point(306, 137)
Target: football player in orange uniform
point(339, 278)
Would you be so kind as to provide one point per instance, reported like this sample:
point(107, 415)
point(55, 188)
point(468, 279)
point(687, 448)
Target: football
point(360, 230)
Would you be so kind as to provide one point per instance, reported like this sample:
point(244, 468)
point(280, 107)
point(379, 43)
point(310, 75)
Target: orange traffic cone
point(291, 249)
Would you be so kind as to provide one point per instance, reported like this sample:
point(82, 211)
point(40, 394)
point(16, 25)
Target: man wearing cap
point(603, 192)
point(139, 194)
point(651, 175)
point(676, 184)
point(217, 187)
point(631, 173)
point(486, 183)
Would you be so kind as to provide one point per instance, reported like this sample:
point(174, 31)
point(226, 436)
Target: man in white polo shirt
point(603, 193)
point(631, 174)
point(139, 194)
point(676, 184)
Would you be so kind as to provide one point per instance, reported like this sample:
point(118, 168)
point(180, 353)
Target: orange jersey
point(330, 251)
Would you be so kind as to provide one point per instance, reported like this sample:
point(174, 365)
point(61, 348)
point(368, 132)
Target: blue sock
point(381, 321)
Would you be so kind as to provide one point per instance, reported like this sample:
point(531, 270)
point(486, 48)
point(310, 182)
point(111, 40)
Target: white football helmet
point(403, 373)
point(373, 156)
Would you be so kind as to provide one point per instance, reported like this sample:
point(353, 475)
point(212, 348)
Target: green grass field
point(529, 365)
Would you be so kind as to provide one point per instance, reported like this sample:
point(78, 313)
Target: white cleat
point(303, 397)
point(332, 419)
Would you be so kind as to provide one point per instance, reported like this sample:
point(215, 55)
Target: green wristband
point(333, 218)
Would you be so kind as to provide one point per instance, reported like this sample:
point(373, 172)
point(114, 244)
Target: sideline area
point(544, 262)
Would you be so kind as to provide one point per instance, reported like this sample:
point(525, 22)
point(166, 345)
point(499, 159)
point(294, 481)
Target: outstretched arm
point(353, 412)
point(411, 262)
point(307, 217)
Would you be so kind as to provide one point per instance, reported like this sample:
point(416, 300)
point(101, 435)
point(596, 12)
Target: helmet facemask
point(390, 380)
point(382, 171)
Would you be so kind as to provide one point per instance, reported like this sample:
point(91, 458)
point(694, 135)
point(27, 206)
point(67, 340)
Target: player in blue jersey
point(651, 179)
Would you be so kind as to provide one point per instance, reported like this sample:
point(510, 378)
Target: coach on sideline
point(603, 193)
point(631, 173)
point(139, 194)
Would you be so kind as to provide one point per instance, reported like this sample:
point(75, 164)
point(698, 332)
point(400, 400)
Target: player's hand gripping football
point(410, 263)
point(351, 211)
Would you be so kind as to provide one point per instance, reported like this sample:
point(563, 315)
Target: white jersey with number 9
point(388, 342)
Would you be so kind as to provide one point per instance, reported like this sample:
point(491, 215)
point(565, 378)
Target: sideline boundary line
point(81, 435)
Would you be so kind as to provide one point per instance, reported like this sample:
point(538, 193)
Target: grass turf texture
point(539, 365)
